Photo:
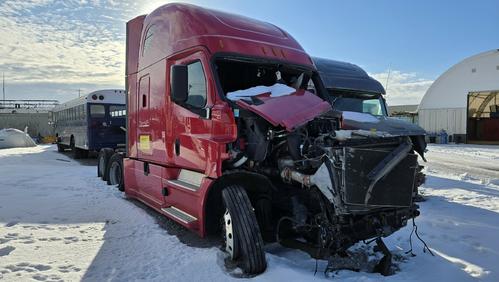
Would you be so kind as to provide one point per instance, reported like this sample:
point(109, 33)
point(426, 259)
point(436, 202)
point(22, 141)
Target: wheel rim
point(229, 235)
point(101, 166)
point(115, 173)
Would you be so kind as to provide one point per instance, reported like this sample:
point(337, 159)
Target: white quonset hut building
point(464, 101)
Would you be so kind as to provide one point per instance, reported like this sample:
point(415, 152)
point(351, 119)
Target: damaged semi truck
point(224, 137)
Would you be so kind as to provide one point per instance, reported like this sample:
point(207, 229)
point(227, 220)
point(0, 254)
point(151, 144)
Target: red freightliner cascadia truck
point(230, 131)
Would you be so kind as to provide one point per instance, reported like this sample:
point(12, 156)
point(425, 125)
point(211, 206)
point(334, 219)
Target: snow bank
point(12, 138)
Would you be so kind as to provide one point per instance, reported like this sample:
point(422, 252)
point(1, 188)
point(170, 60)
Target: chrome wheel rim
point(229, 236)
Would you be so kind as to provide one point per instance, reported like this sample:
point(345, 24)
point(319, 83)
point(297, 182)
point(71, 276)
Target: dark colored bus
point(90, 123)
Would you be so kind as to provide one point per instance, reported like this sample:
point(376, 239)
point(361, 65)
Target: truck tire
point(115, 171)
point(243, 241)
point(102, 162)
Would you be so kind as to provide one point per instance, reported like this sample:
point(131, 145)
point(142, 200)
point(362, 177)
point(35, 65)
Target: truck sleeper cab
point(223, 137)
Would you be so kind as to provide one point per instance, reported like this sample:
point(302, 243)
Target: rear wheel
point(102, 162)
point(115, 171)
point(242, 238)
point(60, 148)
point(76, 152)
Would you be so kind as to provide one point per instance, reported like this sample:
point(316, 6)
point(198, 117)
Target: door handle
point(177, 146)
point(146, 168)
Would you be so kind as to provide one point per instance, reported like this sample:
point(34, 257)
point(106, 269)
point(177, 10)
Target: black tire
point(103, 161)
point(80, 153)
point(115, 171)
point(248, 244)
point(61, 148)
point(76, 152)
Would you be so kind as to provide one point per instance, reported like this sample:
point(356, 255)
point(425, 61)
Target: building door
point(483, 117)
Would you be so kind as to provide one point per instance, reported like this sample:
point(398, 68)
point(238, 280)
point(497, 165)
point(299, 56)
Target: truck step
point(180, 215)
point(188, 179)
point(184, 185)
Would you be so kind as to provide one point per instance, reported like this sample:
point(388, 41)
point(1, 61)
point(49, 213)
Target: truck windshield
point(242, 74)
point(357, 102)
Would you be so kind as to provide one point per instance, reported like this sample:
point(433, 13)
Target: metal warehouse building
point(464, 101)
point(33, 114)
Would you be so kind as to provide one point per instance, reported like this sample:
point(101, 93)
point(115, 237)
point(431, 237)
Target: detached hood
point(290, 111)
point(354, 120)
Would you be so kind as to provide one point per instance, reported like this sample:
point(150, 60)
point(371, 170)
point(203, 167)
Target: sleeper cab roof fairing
point(177, 27)
point(343, 75)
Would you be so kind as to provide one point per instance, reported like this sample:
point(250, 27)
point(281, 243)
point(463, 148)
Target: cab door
point(191, 123)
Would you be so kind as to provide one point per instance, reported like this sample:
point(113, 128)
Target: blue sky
point(50, 49)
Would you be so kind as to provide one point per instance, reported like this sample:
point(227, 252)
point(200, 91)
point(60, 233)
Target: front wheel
point(243, 241)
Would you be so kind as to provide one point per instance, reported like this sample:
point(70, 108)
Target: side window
point(372, 106)
point(148, 39)
point(197, 85)
point(97, 111)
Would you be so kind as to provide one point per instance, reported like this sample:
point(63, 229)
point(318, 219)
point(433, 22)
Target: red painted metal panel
point(134, 29)
point(288, 111)
point(180, 26)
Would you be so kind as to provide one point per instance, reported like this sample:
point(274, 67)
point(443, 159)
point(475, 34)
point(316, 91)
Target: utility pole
point(79, 92)
point(3, 88)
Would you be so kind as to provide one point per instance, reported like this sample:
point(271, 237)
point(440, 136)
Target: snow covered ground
point(58, 221)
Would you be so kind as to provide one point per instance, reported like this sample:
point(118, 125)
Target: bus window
point(116, 111)
point(97, 111)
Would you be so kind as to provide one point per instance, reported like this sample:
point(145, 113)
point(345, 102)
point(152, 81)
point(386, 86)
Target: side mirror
point(179, 83)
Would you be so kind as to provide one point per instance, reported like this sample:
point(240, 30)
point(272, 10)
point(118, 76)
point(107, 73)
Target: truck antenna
point(388, 77)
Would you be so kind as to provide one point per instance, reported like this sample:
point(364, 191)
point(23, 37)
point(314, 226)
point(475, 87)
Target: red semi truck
point(230, 131)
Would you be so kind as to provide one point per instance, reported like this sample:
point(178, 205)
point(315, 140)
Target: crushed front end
point(331, 188)
point(362, 189)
